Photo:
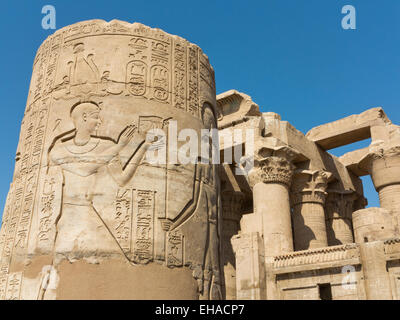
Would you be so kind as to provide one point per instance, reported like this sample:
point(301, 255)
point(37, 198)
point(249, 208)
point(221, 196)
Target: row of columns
point(297, 211)
point(295, 208)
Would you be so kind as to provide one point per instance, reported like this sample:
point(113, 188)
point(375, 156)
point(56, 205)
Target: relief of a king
point(83, 157)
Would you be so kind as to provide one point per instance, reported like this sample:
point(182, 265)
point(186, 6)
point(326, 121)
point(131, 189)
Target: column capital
point(272, 164)
point(383, 164)
point(309, 186)
point(271, 169)
point(340, 204)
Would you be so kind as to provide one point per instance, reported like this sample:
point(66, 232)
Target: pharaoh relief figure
point(203, 249)
point(82, 157)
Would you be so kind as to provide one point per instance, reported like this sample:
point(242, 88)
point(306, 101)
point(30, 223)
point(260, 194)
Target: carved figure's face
point(92, 120)
point(86, 116)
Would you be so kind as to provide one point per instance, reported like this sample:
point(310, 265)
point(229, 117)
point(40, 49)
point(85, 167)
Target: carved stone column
point(96, 210)
point(339, 208)
point(308, 198)
point(231, 213)
point(383, 164)
point(270, 180)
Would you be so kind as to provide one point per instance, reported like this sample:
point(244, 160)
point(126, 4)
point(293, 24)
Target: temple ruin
point(88, 217)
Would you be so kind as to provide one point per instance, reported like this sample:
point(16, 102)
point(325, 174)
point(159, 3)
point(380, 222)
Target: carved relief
point(143, 226)
point(310, 186)
point(339, 210)
point(170, 69)
point(82, 156)
point(160, 82)
point(47, 210)
point(179, 76)
point(136, 77)
point(175, 249)
point(272, 170)
point(123, 218)
point(193, 80)
point(136, 73)
point(206, 73)
point(3, 286)
point(74, 195)
point(14, 286)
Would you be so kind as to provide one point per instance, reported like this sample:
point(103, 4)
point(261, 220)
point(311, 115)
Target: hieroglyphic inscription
point(52, 60)
point(143, 240)
point(3, 286)
point(206, 73)
point(175, 249)
point(123, 218)
point(160, 76)
point(193, 85)
point(14, 286)
point(136, 77)
point(137, 70)
point(45, 66)
point(6, 234)
point(32, 178)
point(5, 219)
point(46, 210)
point(160, 68)
point(179, 76)
point(20, 208)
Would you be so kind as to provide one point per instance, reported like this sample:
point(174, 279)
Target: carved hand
point(166, 224)
point(126, 135)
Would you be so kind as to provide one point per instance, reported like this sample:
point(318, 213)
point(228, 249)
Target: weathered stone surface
point(85, 205)
point(90, 216)
point(326, 257)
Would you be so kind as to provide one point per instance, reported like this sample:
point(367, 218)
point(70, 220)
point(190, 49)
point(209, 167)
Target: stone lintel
point(351, 129)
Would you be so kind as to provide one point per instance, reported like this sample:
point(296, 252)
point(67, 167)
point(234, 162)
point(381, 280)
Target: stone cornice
point(320, 255)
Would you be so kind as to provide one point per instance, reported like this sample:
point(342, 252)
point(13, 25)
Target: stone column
point(231, 214)
point(308, 198)
point(95, 203)
point(270, 180)
point(339, 208)
point(383, 164)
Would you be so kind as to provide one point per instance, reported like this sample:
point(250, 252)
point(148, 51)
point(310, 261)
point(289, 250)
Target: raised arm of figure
point(125, 137)
point(122, 176)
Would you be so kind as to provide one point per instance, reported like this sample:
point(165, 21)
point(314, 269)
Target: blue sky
point(291, 56)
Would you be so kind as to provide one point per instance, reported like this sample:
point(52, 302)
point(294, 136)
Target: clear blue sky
point(292, 57)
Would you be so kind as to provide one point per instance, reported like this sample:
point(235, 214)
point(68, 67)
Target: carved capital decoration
point(309, 186)
point(379, 152)
point(340, 204)
point(383, 164)
point(271, 170)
